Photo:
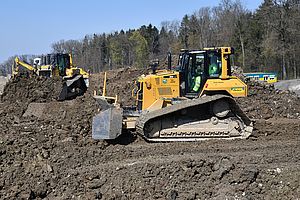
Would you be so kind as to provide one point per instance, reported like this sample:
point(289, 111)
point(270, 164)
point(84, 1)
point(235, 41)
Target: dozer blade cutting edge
point(190, 120)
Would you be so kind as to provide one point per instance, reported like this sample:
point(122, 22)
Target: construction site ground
point(48, 153)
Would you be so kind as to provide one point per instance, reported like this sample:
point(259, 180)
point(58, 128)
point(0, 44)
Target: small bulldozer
point(75, 79)
point(189, 102)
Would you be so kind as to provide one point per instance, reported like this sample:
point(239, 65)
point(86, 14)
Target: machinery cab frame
point(215, 73)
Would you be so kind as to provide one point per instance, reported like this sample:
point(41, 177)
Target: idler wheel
point(220, 108)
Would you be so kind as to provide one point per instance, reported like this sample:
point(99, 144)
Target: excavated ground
point(49, 153)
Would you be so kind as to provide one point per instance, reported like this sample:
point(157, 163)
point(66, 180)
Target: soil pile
point(35, 89)
point(37, 96)
point(19, 92)
point(28, 139)
point(264, 101)
point(119, 82)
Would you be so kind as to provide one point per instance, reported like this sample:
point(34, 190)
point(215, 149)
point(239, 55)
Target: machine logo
point(237, 89)
point(165, 81)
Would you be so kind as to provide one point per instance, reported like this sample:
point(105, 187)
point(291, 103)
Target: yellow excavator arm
point(27, 66)
point(17, 63)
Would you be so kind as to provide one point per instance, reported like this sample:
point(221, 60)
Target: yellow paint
point(163, 84)
point(233, 86)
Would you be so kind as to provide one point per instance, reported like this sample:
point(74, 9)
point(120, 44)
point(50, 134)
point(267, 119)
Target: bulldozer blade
point(72, 87)
point(107, 125)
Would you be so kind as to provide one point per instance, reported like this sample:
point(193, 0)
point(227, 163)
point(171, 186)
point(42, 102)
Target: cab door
point(192, 65)
point(196, 67)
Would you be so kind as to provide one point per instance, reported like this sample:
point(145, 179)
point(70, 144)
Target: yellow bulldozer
point(75, 79)
point(190, 102)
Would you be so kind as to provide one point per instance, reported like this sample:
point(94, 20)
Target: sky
point(31, 26)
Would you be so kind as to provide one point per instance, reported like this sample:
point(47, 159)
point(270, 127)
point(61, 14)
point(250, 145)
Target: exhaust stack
point(169, 60)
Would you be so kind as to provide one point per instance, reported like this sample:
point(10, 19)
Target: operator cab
point(37, 62)
point(205, 64)
point(59, 61)
point(63, 62)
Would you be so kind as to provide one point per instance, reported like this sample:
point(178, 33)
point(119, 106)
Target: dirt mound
point(264, 101)
point(19, 92)
point(119, 82)
point(33, 101)
point(35, 89)
point(30, 139)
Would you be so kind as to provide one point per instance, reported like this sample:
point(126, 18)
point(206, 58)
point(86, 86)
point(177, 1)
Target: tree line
point(267, 39)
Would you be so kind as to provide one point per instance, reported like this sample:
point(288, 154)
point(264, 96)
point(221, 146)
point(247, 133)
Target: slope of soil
point(264, 101)
point(19, 92)
point(119, 82)
point(51, 155)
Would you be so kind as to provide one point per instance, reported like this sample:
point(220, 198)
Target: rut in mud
point(51, 155)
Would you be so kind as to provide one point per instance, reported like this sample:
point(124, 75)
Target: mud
point(51, 155)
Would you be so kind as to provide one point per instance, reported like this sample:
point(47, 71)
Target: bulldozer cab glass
point(63, 62)
point(214, 64)
point(195, 71)
point(192, 65)
point(206, 64)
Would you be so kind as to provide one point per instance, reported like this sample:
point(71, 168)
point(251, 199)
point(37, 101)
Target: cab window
point(199, 62)
point(214, 65)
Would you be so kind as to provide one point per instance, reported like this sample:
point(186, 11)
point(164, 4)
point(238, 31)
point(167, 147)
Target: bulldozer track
point(185, 134)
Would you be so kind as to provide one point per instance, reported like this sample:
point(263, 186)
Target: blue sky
point(31, 26)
